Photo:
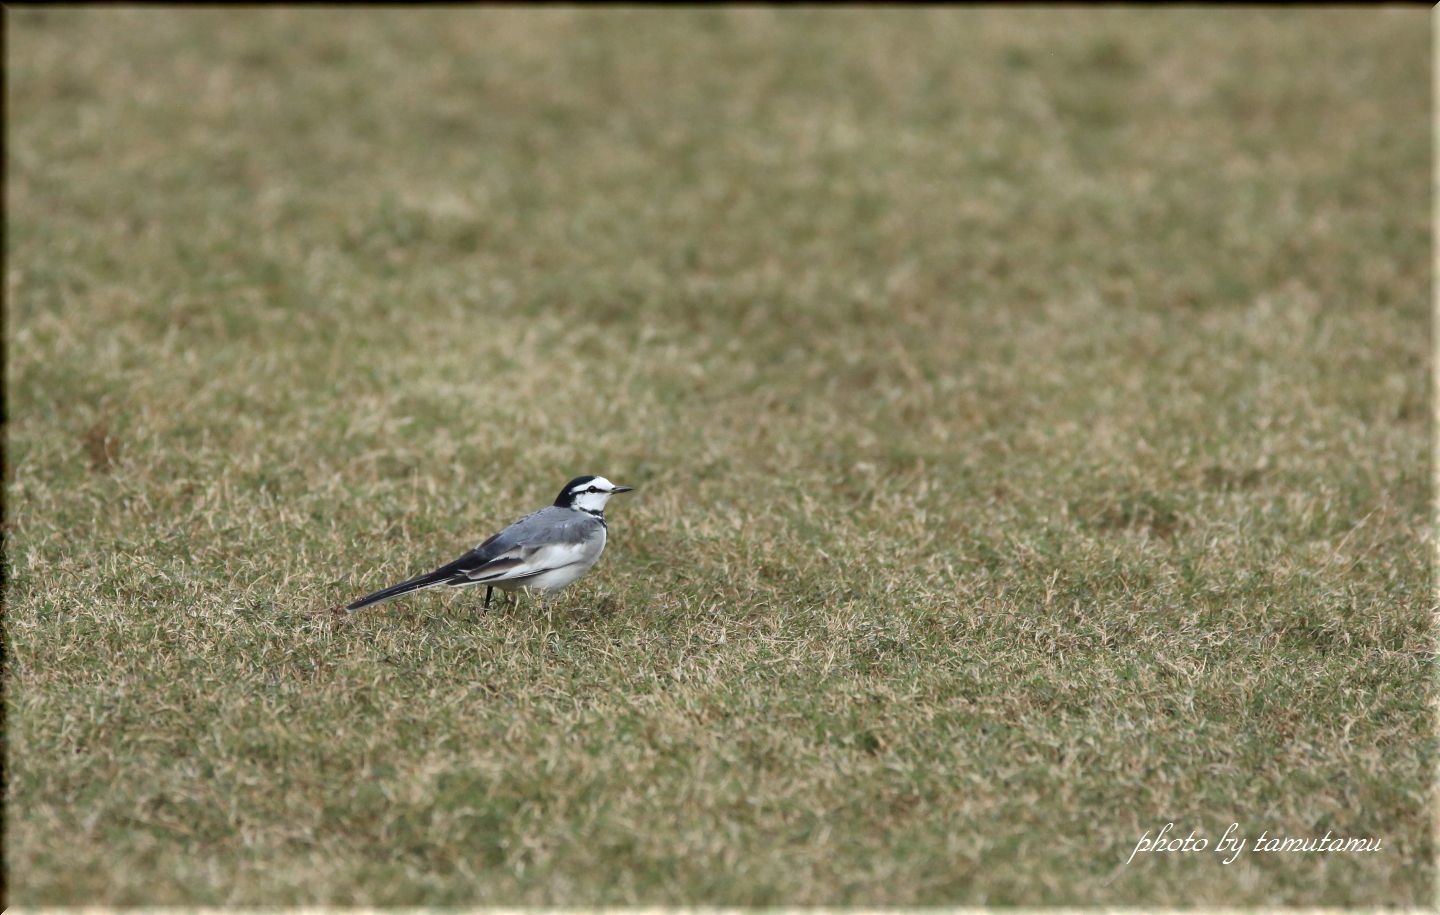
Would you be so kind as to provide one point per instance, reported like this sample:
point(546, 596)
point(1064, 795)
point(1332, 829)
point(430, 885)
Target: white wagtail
point(544, 551)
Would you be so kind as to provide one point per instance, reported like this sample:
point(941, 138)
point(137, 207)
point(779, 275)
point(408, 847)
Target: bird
point(543, 551)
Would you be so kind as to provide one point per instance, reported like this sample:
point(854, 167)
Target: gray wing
point(552, 538)
point(548, 539)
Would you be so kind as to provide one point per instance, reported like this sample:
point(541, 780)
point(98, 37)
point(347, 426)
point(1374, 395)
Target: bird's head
point(588, 494)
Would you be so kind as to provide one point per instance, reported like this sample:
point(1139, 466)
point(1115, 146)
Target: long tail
point(418, 583)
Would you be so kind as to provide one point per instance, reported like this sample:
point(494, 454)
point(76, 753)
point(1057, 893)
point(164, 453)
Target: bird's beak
point(619, 489)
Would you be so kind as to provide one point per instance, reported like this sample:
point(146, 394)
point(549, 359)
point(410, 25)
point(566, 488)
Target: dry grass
point(1030, 410)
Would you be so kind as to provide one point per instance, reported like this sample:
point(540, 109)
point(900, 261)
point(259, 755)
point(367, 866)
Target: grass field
point(1030, 411)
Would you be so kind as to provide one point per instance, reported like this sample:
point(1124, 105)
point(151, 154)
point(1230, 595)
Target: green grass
point(1030, 410)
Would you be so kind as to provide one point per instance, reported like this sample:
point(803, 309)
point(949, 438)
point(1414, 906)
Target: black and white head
point(589, 494)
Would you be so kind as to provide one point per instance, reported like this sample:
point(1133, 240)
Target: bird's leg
point(489, 592)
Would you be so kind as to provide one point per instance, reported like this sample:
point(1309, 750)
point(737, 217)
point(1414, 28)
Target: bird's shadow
point(510, 608)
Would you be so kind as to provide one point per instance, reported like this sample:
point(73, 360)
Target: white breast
point(568, 563)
